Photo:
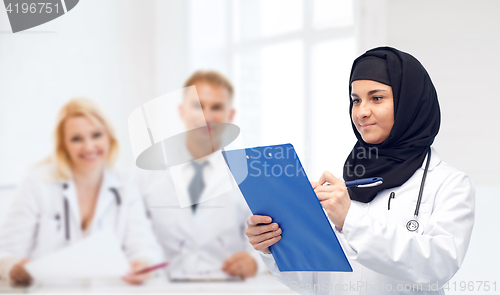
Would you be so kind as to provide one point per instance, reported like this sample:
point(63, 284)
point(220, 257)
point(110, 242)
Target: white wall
point(170, 46)
point(101, 50)
point(481, 262)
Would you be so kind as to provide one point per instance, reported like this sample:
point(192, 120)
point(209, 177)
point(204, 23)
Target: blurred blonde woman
point(73, 194)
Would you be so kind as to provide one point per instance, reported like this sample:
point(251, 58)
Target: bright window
point(289, 61)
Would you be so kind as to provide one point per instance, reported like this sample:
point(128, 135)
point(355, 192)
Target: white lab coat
point(384, 254)
point(200, 242)
point(35, 224)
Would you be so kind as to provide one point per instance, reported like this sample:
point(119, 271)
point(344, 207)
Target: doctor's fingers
point(135, 279)
point(328, 177)
point(256, 230)
point(236, 269)
point(264, 237)
point(233, 258)
point(334, 197)
point(264, 246)
point(330, 188)
point(257, 219)
point(19, 274)
point(243, 268)
point(314, 184)
point(231, 263)
point(20, 278)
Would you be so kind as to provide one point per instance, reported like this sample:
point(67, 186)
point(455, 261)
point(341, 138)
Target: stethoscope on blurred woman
point(413, 225)
point(67, 228)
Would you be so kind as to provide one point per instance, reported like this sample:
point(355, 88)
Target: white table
point(263, 284)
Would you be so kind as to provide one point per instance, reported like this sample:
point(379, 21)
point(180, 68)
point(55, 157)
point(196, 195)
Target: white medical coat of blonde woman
point(197, 242)
point(35, 224)
point(388, 259)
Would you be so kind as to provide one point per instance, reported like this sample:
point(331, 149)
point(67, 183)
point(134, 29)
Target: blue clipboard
point(273, 183)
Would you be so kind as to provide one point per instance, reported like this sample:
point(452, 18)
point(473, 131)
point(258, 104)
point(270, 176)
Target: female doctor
point(410, 234)
point(74, 194)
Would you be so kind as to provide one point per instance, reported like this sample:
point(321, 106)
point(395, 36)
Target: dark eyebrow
point(369, 92)
point(375, 91)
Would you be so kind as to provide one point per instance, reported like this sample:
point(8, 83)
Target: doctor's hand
point(262, 233)
point(133, 278)
point(18, 273)
point(241, 265)
point(333, 197)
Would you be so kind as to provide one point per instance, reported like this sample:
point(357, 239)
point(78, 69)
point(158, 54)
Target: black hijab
point(416, 121)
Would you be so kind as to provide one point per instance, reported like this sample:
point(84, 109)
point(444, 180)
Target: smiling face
point(372, 110)
point(214, 106)
point(86, 142)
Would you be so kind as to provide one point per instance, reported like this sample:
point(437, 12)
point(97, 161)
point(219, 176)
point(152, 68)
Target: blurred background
point(289, 61)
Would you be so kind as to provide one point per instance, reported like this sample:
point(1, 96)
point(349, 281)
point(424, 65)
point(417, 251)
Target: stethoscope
point(67, 230)
point(412, 225)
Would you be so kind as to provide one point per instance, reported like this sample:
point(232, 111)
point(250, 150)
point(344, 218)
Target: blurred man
point(208, 237)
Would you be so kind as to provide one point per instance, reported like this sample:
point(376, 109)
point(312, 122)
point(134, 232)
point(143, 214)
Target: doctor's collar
point(109, 180)
point(435, 160)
